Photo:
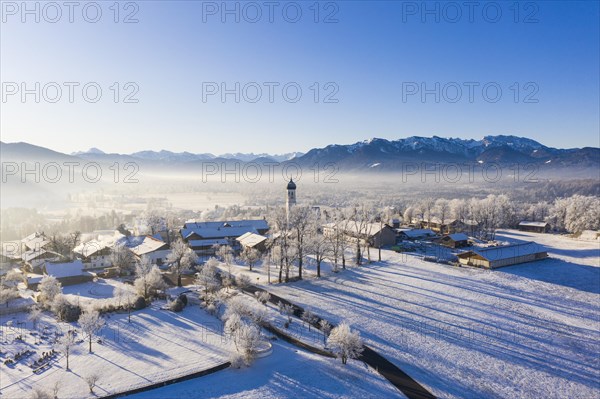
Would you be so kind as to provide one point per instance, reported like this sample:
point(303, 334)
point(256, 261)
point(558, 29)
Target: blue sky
point(372, 55)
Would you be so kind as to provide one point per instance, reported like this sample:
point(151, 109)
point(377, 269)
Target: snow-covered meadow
point(288, 373)
point(156, 346)
point(529, 330)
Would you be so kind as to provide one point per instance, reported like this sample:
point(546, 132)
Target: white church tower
point(291, 197)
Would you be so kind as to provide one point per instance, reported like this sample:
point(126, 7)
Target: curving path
point(405, 383)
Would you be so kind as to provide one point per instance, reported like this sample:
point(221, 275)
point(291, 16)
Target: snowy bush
point(262, 297)
point(65, 310)
point(37, 393)
point(236, 359)
point(140, 303)
point(345, 343)
point(49, 288)
point(242, 281)
point(184, 299)
point(177, 305)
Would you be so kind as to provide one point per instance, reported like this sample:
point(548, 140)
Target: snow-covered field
point(527, 331)
point(157, 345)
point(288, 373)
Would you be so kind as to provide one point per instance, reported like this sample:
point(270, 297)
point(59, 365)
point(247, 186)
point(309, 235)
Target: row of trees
point(573, 214)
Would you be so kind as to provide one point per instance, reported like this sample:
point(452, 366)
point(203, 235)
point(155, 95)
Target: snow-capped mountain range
point(170, 156)
point(373, 154)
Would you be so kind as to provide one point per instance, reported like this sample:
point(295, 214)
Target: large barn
point(494, 257)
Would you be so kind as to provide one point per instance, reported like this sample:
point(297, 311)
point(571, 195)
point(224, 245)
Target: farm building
point(94, 254)
point(155, 249)
point(252, 241)
point(448, 226)
point(34, 260)
point(534, 227)
point(456, 240)
point(223, 229)
point(494, 257)
point(376, 234)
point(414, 234)
point(206, 248)
point(67, 273)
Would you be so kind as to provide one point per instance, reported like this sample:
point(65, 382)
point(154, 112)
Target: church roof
point(291, 185)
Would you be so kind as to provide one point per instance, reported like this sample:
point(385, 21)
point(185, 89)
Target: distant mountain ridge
point(389, 154)
point(169, 156)
point(368, 155)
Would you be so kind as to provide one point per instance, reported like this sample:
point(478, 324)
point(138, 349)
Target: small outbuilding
point(494, 257)
point(456, 240)
point(534, 227)
point(253, 241)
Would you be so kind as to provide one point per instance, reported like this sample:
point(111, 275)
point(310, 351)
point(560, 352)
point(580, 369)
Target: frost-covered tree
point(286, 310)
point(91, 323)
point(35, 314)
point(49, 288)
point(91, 380)
point(319, 247)
point(122, 258)
point(250, 257)
point(181, 258)
point(325, 329)
point(208, 278)
point(442, 209)
point(345, 343)
point(300, 219)
point(66, 344)
point(247, 340)
point(309, 318)
point(149, 279)
point(7, 294)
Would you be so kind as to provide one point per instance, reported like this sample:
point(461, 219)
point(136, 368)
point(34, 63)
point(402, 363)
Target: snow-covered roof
point(533, 224)
point(251, 239)
point(458, 237)
point(218, 232)
point(351, 227)
point(207, 243)
point(506, 251)
point(34, 254)
point(60, 270)
point(416, 233)
point(35, 241)
point(142, 245)
point(257, 224)
point(90, 248)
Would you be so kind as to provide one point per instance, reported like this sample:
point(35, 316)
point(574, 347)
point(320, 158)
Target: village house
point(456, 240)
point(205, 237)
point(494, 257)
point(95, 254)
point(534, 227)
point(35, 241)
point(375, 234)
point(153, 248)
point(449, 226)
point(34, 260)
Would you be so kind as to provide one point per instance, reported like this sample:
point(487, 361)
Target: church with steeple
point(291, 197)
